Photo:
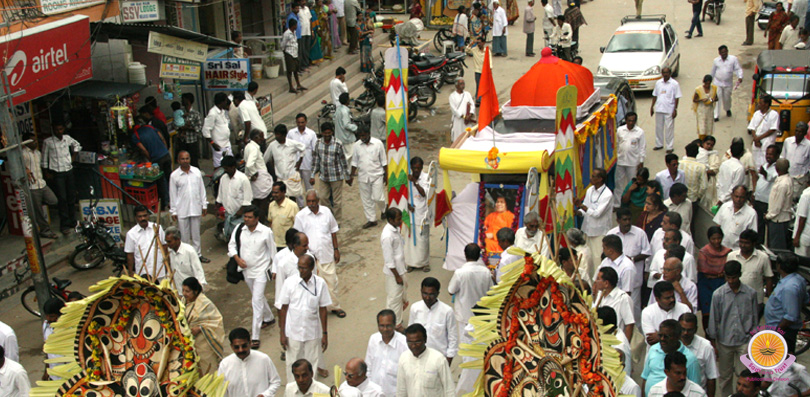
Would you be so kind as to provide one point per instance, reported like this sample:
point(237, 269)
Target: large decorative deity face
point(551, 320)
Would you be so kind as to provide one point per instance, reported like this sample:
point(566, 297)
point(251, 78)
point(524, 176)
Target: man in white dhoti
point(530, 238)
point(724, 69)
point(370, 164)
point(188, 201)
point(417, 255)
point(462, 107)
point(394, 264)
point(763, 128)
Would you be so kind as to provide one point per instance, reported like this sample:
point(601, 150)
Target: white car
point(639, 49)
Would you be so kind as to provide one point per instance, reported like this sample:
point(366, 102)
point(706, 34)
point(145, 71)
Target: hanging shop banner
point(226, 74)
point(48, 57)
point(24, 118)
point(179, 68)
point(51, 7)
point(107, 210)
point(164, 44)
point(140, 11)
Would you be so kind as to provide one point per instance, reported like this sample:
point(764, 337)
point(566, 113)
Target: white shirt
point(689, 288)
point(393, 251)
point(382, 360)
point(458, 110)
point(420, 201)
point(652, 316)
point(695, 177)
point(765, 182)
point(369, 158)
point(691, 389)
point(285, 265)
point(531, 244)
point(734, 223)
point(631, 147)
point(285, 157)
point(685, 210)
point(760, 124)
point(469, 284)
point(47, 331)
point(780, 203)
point(703, 350)
point(215, 127)
point(657, 242)
point(803, 211)
point(304, 300)
point(426, 375)
point(367, 388)
point(234, 193)
point(797, 154)
point(754, 270)
point(337, 87)
point(634, 242)
point(304, 15)
point(547, 24)
point(665, 179)
point(56, 153)
point(32, 159)
point(319, 228)
point(185, 264)
point(730, 175)
point(630, 387)
point(723, 71)
point(562, 35)
point(626, 269)
point(624, 346)
point(13, 380)
point(339, 4)
point(309, 139)
point(8, 339)
point(254, 160)
point(499, 22)
point(316, 387)
point(255, 375)
point(257, 249)
point(138, 241)
point(666, 93)
point(597, 219)
point(506, 259)
point(187, 193)
point(621, 303)
point(657, 267)
point(440, 323)
point(249, 112)
point(789, 37)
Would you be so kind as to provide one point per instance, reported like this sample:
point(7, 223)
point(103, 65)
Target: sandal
point(340, 313)
point(266, 324)
point(426, 269)
point(255, 344)
point(323, 373)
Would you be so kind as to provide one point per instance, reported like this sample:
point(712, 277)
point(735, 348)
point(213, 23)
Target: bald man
point(780, 205)
point(356, 370)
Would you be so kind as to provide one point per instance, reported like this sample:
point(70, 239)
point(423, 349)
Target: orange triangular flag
point(489, 97)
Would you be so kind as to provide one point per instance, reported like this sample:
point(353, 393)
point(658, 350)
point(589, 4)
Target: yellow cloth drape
point(210, 342)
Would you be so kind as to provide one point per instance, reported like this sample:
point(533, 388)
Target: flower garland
point(482, 207)
point(580, 320)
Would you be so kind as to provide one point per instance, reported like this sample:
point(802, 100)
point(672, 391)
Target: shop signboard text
point(178, 68)
point(226, 74)
point(164, 44)
point(140, 11)
point(51, 7)
point(108, 211)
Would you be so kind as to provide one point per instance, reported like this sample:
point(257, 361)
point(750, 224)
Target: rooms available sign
point(140, 11)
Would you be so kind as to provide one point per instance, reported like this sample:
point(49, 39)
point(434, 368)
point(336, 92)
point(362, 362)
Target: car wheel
point(677, 68)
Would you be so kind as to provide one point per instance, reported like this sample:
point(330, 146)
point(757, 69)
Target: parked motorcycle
point(98, 243)
point(714, 9)
point(417, 95)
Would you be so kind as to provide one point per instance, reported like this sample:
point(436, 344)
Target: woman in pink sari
point(333, 24)
point(710, 262)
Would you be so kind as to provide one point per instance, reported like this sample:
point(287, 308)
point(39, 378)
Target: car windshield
point(635, 42)
point(790, 86)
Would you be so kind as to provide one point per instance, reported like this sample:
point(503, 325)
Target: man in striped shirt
point(57, 159)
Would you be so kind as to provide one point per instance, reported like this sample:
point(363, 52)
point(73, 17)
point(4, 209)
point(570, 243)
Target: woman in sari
point(703, 105)
point(495, 221)
point(710, 263)
point(776, 23)
point(206, 325)
point(635, 193)
point(334, 28)
point(476, 23)
point(324, 33)
point(366, 28)
point(315, 52)
point(654, 209)
point(512, 13)
point(576, 240)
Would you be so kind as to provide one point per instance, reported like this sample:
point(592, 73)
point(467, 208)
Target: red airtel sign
point(48, 57)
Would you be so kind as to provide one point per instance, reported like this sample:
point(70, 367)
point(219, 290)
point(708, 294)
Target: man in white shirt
point(318, 223)
point(506, 240)
point(469, 284)
point(417, 253)
point(287, 156)
point(438, 318)
point(302, 133)
point(261, 183)
point(249, 114)
point(672, 249)
point(394, 264)
point(624, 266)
point(796, 149)
point(608, 317)
point(189, 202)
point(215, 128)
point(666, 308)
point(305, 43)
point(595, 210)
point(253, 255)
point(302, 318)
point(604, 286)
point(695, 174)
point(345, 128)
point(671, 175)
point(370, 163)
point(549, 20)
point(631, 149)
point(780, 208)
point(53, 310)
point(356, 376)
point(724, 68)
point(183, 258)
point(338, 85)
point(462, 109)
point(40, 192)
point(763, 127)
point(679, 203)
point(423, 371)
point(530, 238)
point(8, 341)
point(634, 246)
point(285, 264)
point(562, 35)
point(702, 349)
point(303, 384)
point(377, 120)
point(144, 256)
point(666, 95)
point(676, 380)
point(248, 373)
point(736, 216)
point(801, 230)
point(341, 17)
point(731, 172)
point(13, 378)
point(460, 30)
point(756, 266)
point(672, 221)
point(383, 352)
point(790, 34)
point(235, 193)
point(58, 152)
point(685, 289)
point(766, 175)
point(499, 29)
point(528, 27)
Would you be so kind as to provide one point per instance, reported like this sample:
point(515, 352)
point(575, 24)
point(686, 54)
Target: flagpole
point(405, 104)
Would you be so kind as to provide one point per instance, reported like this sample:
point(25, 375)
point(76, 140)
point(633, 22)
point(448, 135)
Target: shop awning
point(140, 32)
point(109, 90)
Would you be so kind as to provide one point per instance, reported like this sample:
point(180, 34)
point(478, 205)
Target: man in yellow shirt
point(751, 9)
point(281, 213)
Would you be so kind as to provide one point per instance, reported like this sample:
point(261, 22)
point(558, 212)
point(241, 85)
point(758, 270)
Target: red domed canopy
point(538, 87)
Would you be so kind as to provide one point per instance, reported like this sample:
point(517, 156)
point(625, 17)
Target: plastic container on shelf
point(155, 170)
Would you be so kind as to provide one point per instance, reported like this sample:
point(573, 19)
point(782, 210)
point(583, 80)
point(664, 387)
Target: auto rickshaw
point(784, 75)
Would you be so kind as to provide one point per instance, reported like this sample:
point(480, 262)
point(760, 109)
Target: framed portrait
point(499, 206)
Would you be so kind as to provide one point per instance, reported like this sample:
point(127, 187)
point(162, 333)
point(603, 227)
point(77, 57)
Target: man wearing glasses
point(355, 374)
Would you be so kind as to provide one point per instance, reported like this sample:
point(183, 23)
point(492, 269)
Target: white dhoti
point(296, 350)
point(595, 246)
point(418, 255)
point(664, 130)
point(457, 128)
point(261, 308)
point(758, 155)
point(636, 295)
point(396, 296)
point(348, 149)
point(723, 100)
point(459, 102)
point(371, 194)
point(190, 231)
point(624, 174)
point(328, 271)
point(466, 382)
point(217, 155)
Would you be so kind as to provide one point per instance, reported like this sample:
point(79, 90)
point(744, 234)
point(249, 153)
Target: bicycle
point(29, 300)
